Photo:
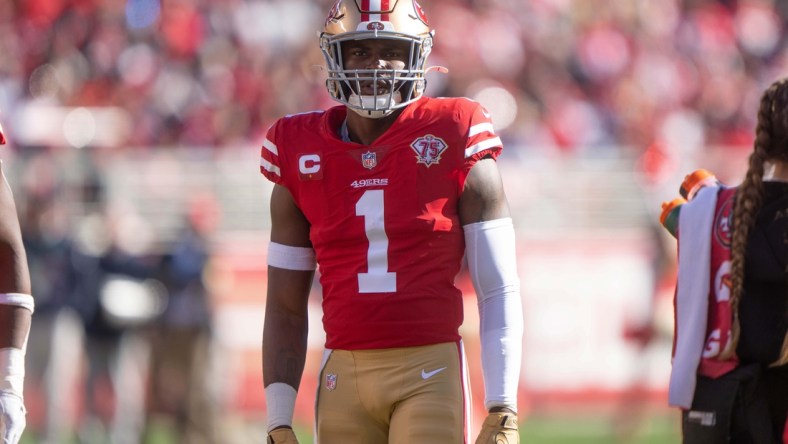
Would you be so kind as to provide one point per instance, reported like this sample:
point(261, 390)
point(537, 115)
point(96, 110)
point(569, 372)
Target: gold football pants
point(413, 395)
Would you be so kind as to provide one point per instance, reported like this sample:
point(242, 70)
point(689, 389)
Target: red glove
point(2, 136)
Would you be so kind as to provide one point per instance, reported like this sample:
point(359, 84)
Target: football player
point(16, 308)
point(386, 194)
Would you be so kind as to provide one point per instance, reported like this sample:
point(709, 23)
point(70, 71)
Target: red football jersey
point(384, 218)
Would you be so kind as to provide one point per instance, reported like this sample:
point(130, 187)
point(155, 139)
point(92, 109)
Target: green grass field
point(659, 427)
point(651, 427)
point(655, 429)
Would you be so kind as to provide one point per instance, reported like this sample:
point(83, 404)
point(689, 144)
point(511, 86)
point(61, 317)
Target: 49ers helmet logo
point(420, 12)
point(428, 149)
point(336, 13)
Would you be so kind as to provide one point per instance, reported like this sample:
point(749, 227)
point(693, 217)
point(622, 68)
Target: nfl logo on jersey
point(331, 381)
point(369, 160)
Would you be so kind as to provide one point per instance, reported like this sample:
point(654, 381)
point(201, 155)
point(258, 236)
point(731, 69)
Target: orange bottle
point(696, 180)
point(669, 218)
point(693, 182)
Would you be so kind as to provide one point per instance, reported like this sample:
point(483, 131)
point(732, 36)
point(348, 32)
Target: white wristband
point(280, 404)
point(18, 299)
point(291, 258)
point(12, 370)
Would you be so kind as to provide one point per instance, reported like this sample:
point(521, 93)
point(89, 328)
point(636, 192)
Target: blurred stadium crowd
point(573, 74)
point(567, 77)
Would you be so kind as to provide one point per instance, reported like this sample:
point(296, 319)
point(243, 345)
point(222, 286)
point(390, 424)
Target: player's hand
point(12, 417)
point(499, 428)
point(282, 436)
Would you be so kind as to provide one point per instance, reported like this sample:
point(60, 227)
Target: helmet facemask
point(392, 89)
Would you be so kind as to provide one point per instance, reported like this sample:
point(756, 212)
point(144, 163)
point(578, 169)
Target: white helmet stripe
point(374, 5)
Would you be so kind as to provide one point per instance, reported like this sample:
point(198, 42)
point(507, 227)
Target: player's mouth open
point(368, 88)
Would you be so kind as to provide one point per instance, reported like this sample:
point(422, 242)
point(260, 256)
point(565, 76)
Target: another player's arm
point(14, 274)
point(16, 309)
point(491, 255)
point(290, 275)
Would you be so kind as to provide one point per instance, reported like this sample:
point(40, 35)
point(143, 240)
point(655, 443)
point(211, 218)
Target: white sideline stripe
point(271, 168)
point(267, 144)
point(481, 146)
point(480, 128)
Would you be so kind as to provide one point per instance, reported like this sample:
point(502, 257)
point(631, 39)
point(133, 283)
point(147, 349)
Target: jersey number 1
point(378, 278)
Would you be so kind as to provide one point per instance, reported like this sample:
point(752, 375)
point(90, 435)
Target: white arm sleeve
point(492, 262)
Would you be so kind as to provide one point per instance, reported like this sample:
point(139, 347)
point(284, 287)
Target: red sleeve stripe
point(267, 144)
point(481, 128)
point(483, 145)
point(270, 167)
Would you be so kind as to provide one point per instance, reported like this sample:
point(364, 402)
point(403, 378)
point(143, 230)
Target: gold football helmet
point(401, 20)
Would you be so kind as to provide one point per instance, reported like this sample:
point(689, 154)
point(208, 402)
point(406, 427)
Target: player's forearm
point(14, 274)
point(286, 325)
point(284, 347)
point(14, 326)
point(284, 354)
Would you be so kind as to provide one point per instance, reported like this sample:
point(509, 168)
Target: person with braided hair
point(730, 356)
point(16, 308)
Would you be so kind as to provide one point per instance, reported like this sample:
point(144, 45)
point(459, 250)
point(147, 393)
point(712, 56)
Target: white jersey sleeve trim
point(270, 146)
point(291, 258)
point(483, 145)
point(271, 168)
point(481, 128)
point(492, 262)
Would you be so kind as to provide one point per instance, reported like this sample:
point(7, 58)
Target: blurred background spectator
point(180, 388)
point(122, 114)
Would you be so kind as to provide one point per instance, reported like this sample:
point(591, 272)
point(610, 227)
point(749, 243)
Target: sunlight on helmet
point(404, 21)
